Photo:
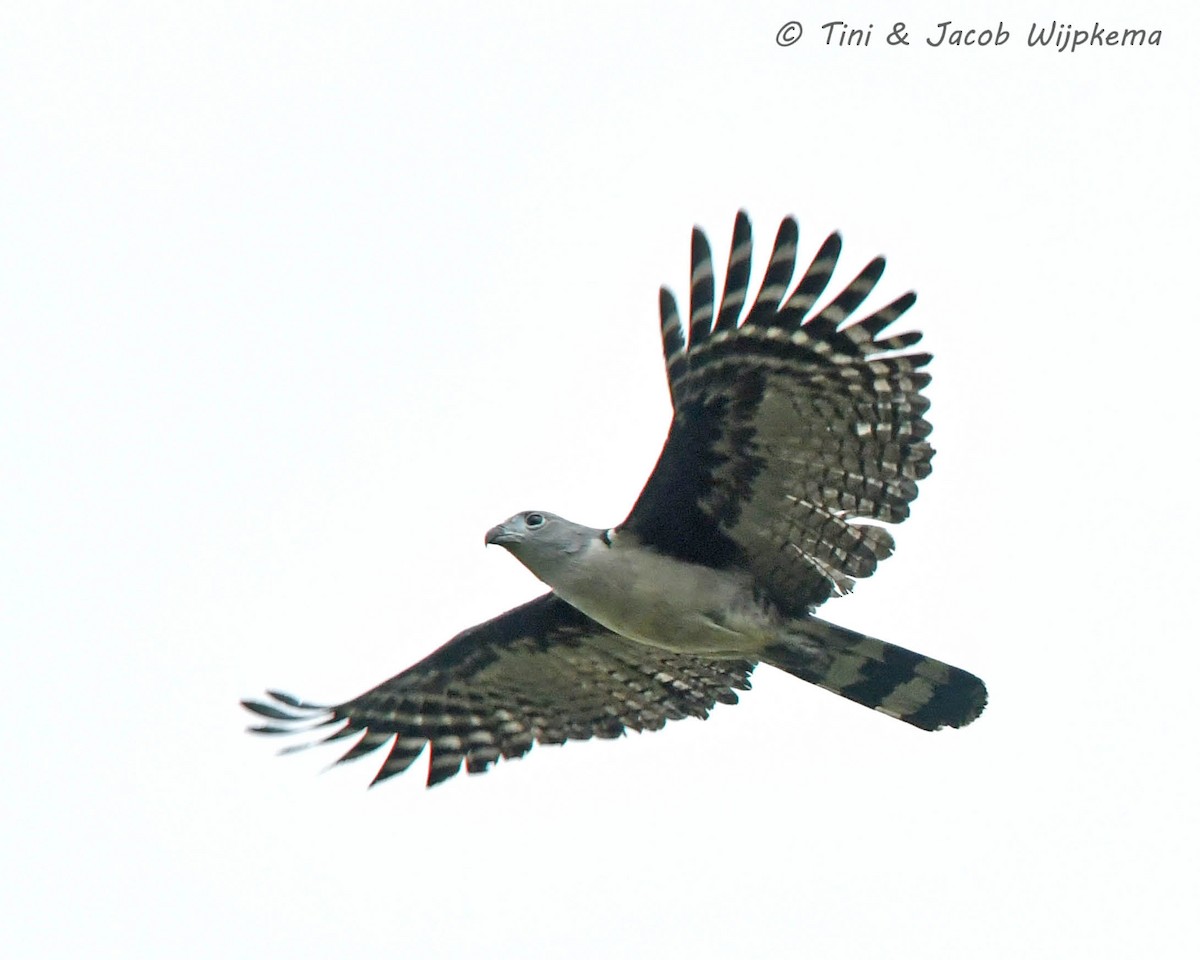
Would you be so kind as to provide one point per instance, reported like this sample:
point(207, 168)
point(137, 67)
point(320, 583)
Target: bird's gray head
point(542, 541)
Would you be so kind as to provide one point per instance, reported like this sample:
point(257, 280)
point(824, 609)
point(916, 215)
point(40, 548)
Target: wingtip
point(290, 714)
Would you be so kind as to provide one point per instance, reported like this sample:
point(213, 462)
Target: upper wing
point(786, 426)
point(541, 672)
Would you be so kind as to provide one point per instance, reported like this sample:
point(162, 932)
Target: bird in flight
point(790, 427)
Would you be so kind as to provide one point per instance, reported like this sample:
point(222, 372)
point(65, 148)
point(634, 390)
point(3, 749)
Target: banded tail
point(908, 686)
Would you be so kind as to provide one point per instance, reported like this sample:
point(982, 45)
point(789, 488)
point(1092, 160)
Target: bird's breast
point(668, 603)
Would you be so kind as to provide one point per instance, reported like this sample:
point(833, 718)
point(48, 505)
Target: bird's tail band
point(908, 686)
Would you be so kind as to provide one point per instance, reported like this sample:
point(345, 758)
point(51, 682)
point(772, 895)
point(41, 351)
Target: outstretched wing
point(542, 672)
point(787, 427)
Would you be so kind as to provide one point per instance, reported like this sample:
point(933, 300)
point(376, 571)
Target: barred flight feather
point(493, 691)
point(788, 427)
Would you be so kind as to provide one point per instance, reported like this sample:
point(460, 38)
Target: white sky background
point(300, 298)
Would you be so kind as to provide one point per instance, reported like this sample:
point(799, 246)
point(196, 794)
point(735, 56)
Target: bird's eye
point(534, 519)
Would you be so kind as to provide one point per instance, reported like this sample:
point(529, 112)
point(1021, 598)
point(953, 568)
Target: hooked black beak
point(499, 534)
